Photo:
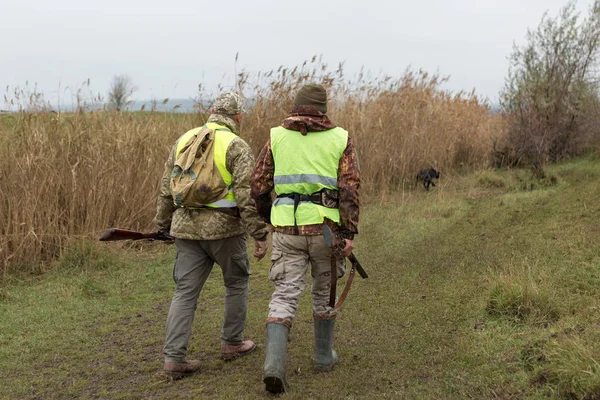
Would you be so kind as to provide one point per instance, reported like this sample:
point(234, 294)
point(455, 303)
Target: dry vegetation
point(399, 125)
point(68, 176)
point(550, 98)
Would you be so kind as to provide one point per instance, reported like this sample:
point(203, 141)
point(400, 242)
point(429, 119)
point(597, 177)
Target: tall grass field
point(65, 177)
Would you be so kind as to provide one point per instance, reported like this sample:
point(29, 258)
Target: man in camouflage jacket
point(299, 245)
point(205, 236)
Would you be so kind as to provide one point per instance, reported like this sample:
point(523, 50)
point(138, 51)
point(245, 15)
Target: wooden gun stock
point(114, 234)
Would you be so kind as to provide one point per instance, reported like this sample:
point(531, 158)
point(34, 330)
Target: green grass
point(486, 287)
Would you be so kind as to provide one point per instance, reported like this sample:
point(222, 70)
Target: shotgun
point(124, 234)
point(337, 244)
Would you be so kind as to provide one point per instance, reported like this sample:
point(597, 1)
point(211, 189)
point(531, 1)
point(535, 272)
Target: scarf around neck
point(306, 119)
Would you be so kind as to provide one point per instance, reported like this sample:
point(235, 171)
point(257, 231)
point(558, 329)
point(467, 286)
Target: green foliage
point(522, 300)
point(82, 256)
point(90, 287)
point(566, 365)
point(491, 180)
point(515, 180)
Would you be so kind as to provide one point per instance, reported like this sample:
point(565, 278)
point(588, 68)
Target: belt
point(316, 198)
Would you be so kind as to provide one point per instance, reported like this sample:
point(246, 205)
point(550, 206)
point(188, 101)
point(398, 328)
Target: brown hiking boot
point(179, 370)
point(233, 351)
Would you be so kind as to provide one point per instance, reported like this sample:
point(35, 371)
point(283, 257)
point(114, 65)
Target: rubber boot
point(325, 356)
point(275, 360)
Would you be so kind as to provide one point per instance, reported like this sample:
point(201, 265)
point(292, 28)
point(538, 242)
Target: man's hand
point(348, 248)
point(260, 249)
point(165, 236)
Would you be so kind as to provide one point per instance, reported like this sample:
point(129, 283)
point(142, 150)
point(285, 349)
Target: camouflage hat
point(229, 103)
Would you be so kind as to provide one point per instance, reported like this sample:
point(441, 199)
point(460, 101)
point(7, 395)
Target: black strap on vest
point(315, 198)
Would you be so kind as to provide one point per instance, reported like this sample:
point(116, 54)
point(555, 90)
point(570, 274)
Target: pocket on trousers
point(241, 261)
point(277, 270)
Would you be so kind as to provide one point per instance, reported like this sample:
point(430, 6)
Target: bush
point(550, 100)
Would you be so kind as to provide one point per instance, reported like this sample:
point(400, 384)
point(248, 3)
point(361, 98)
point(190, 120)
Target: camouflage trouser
point(195, 260)
point(290, 257)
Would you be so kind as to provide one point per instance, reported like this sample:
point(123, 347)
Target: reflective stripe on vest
point(305, 165)
point(305, 178)
point(226, 202)
point(223, 138)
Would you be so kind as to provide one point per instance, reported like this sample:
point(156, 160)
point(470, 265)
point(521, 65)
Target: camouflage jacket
point(211, 224)
point(305, 119)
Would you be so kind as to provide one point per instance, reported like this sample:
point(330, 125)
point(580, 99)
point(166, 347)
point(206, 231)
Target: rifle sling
point(333, 280)
point(347, 288)
point(355, 266)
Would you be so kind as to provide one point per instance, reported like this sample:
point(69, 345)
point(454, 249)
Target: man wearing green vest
point(312, 167)
point(212, 233)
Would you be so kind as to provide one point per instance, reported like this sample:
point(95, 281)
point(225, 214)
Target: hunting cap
point(229, 103)
point(312, 95)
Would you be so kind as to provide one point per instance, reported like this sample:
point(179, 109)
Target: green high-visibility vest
point(223, 138)
point(305, 165)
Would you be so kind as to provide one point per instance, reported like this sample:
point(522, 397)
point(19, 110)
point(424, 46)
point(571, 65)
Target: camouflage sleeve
point(240, 162)
point(349, 184)
point(262, 182)
point(164, 204)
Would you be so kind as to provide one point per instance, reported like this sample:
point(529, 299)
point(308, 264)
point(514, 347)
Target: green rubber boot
point(325, 356)
point(274, 375)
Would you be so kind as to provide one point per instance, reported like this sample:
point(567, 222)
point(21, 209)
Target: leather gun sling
point(347, 288)
point(333, 280)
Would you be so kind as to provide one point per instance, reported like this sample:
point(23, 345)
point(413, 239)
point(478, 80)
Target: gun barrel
point(356, 264)
point(114, 234)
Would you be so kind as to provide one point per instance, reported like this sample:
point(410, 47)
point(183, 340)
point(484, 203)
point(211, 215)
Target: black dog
point(427, 176)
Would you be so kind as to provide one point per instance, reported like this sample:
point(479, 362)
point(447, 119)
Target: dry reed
point(68, 176)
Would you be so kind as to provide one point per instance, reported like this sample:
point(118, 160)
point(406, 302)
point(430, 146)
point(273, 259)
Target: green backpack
point(195, 179)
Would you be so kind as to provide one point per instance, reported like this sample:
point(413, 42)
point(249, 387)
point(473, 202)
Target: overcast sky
point(169, 47)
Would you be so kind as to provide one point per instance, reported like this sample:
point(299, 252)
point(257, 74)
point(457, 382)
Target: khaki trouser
point(195, 259)
point(291, 255)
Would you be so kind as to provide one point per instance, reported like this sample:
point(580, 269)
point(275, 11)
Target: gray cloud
point(170, 47)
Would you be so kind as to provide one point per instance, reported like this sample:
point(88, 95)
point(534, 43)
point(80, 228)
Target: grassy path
point(486, 288)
